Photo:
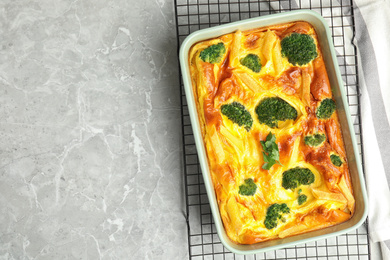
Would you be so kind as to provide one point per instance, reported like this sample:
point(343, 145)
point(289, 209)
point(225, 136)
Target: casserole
point(198, 123)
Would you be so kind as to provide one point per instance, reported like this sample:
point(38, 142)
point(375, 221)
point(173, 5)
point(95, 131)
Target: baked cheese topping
point(248, 85)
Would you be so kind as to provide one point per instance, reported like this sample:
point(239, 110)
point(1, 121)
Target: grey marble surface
point(90, 132)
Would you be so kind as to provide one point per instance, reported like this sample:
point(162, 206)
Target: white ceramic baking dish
point(336, 82)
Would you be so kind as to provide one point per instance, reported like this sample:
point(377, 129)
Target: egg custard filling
point(271, 132)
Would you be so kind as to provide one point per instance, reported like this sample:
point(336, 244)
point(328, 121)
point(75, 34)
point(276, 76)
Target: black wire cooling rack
point(193, 15)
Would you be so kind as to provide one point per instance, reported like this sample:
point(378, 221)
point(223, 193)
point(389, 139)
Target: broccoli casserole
point(271, 132)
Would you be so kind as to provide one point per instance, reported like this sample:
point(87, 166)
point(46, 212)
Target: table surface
point(90, 131)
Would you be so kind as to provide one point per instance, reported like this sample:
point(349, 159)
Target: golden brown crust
point(235, 154)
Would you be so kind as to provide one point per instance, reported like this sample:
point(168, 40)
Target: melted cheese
point(235, 154)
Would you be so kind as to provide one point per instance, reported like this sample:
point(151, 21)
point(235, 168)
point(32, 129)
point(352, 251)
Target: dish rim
point(248, 24)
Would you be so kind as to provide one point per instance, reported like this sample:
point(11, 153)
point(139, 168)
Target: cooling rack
point(192, 15)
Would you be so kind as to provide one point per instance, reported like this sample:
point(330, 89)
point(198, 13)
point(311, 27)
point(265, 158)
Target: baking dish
point(324, 38)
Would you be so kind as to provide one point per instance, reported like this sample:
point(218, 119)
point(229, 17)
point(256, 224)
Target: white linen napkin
point(373, 42)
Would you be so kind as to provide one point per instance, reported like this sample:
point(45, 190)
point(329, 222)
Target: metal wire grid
point(192, 15)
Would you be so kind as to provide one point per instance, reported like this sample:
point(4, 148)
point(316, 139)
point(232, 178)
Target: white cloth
point(373, 39)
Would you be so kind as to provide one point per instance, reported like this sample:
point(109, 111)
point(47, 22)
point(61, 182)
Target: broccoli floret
point(274, 213)
point(294, 177)
point(314, 140)
point(274, 109)
point(326, 108)
point(302, 199)
point(238, 114)
point(248, 188)
point(252, 62)
point(336, 160)
point(299, 48)
point(213, 54)
point(271, 151)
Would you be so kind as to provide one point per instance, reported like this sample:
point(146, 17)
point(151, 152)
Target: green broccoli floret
point(299, 48)
point(314, 140)
point(302, 199)
point(213, 54)
point(326, 108)
point(294, 177)
point(252, 62)
point(336, 160)
point(274, 109)
point(238, 114)
point(248, 188)
point(271, 151)
point(274, 213)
